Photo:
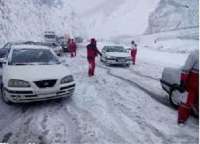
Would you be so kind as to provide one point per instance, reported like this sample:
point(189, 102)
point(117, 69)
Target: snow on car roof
point(22, 46)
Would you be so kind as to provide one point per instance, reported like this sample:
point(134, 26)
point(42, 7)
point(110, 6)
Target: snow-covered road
point(116, 106)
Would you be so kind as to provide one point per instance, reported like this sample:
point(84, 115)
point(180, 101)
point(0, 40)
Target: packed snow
point(117, 106)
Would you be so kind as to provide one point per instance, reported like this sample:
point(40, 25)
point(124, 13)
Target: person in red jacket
point(189, 82)
point(72, 48)
point(133, 52)
point(92, 52)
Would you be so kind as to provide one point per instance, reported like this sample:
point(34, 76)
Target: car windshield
point(114, 49)
point(33, 56)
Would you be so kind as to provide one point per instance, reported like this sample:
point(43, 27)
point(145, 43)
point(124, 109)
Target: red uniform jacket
point(133, 52)
point(72, 47)
point(92, 51)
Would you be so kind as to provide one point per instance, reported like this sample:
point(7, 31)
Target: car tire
point(4, 98)
point(173, 98)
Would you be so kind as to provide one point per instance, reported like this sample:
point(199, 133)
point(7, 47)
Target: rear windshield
point(33, 56)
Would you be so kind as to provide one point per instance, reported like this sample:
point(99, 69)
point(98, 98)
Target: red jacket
point(133, 51)
point(72, 47)
point(92, 51)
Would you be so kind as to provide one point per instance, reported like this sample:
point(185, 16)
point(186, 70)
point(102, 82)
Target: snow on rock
point(107, 19)
point(174, 14)
point(28, 19)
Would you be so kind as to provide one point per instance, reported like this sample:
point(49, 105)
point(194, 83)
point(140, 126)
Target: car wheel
point(3, 95)
point(174, 98)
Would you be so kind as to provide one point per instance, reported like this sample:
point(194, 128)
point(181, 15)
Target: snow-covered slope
point(113, 19)
point(28, 19)
point(106, 19)
point(174, 14)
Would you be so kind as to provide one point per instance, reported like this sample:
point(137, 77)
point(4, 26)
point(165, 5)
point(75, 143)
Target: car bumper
point(32, 96)
point(115, 62)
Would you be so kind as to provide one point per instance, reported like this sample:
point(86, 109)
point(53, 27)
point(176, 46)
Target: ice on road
point(113, 107)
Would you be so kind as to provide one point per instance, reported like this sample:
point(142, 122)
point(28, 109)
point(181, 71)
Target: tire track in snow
point(144, 125)
point(155, 96)
point(135, 84)
point(89, 115)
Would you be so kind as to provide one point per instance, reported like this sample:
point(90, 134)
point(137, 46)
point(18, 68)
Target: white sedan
point(34, 73)
point(115, 55)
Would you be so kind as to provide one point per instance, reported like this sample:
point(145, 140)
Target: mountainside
point(108, 19)
point(28, 19)
point(173, 14)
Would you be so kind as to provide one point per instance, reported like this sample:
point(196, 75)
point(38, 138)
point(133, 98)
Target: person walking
point(92, 52)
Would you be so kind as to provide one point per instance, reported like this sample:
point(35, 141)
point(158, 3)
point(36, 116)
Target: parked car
point(63, 43)
point(170, 82)
point(50, 37)
point(34, 73)
point(115, 55)
point(55, 47)
point(78, 39)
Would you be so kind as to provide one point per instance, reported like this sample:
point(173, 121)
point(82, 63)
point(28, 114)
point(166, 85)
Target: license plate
point(121, 60)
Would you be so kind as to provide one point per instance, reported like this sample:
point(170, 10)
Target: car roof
point(28, 46)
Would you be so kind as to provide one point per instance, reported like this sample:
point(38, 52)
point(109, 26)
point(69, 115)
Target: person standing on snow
point(72, 47)
point(133, 52)
point(92, 52)
point(190, 82)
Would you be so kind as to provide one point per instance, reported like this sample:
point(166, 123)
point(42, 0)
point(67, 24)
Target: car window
point(33, 56)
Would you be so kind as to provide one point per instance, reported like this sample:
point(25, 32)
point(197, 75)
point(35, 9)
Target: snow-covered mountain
point(107, 19)
point(173, 14)
point(28, 19)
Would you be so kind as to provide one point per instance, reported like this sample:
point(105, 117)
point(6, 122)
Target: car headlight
point(67, 79)
point(109, 57)
point(18, 83)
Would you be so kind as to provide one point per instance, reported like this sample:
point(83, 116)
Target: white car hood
point(36, 72)
point(117, 54)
